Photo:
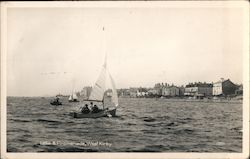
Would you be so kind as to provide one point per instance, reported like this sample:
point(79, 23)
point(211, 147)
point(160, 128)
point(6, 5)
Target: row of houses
point(198, 89)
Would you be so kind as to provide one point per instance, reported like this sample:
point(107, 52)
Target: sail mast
point(105, 72)
point(98, 91)
point(105, 60)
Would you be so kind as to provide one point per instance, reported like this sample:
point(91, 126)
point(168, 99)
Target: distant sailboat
point(73, 97)
point(56, 101)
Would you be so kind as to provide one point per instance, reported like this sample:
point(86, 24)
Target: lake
point(141, 125)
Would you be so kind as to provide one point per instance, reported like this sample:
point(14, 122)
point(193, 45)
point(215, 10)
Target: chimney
point(222, 79)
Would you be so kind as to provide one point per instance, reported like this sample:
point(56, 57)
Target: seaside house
point(224, 88)
point(152, 91)
point(123, 93)
point(170, 91)
point(78, 94)
point(133, 92)
point(199, 89)
point(239, 91)
point(182, 91)
point(158, 87)
point(142, 92)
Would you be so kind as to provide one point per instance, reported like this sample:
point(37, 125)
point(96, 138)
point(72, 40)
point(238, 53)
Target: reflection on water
point(141, 125)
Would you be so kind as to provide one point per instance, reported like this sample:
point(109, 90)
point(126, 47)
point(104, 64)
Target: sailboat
point(73, 97)
point(56, 101)
point(97, 95)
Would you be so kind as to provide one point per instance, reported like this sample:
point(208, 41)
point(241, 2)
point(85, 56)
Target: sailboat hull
point(103, 113)
point(55, 103)
point(112, 112)
point(75, 100)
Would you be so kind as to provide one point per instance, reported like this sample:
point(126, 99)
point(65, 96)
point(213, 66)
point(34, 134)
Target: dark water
point(142, 125)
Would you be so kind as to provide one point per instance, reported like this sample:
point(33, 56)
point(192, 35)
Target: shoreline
point(173, 99)
point(233, 101)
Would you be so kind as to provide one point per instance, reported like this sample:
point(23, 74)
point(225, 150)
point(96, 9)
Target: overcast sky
point(50, 49)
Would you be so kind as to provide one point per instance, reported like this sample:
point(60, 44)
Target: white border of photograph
point(244, 5)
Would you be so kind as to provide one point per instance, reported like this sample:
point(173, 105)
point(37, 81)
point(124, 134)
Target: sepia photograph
point(125, 79)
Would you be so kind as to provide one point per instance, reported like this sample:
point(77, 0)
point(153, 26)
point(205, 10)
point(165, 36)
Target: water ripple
point(141, 125)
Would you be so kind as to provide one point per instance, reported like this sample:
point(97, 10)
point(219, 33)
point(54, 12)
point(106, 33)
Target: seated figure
point(85, 109)
point(95, 109)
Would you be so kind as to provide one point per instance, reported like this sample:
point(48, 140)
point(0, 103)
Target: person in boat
point(95, 109)
point(91, 104)
point(85, 109)
point(56, 100)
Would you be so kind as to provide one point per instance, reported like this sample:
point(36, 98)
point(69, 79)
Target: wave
point(21, 120)
point(55, 148)
point(130, 124)
point(148, 148)
point(172, 124)
point(18, 130)
point(184, 131)
point(12, 149)
point(49, 121)
point(149, 119)
point(148, 126)
point(23, 140)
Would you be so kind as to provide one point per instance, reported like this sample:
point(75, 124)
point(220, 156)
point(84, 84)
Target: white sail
point(114, 92)
point(99, 88)
point(74, 96)
point(70, 97)
point(98, 91)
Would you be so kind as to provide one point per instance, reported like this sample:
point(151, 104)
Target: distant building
point(191, 91)
point(182, 90)
point(224, 88)
point(158, 87)
point(85, 92)
point(239, 91)
point(199, 89)
point(78, 94)
point(171, 91)
point(152, 92)
point(133, 92)
point(123, 92)
point(141, 94)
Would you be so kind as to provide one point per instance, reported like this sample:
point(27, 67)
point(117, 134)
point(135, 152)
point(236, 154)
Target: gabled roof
point(170, 87)
point(199, 84)
point(223, 81)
